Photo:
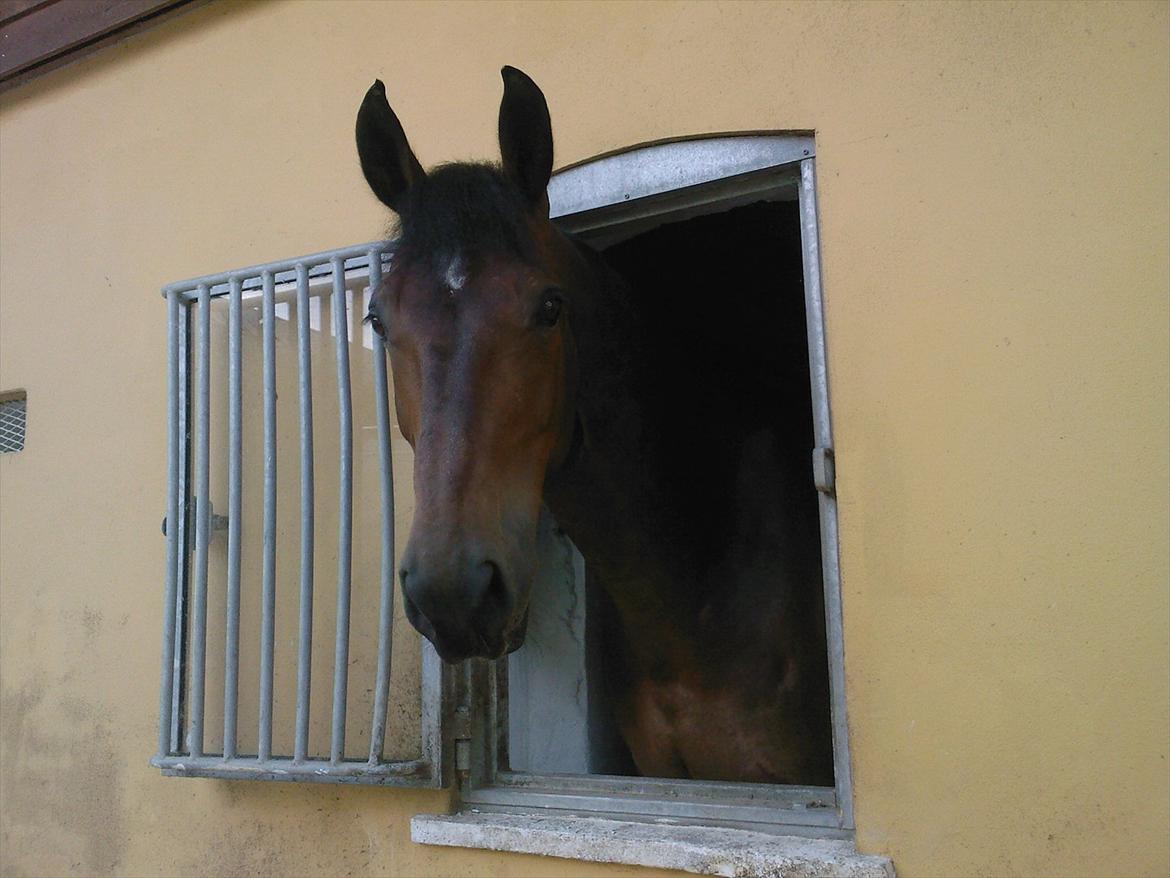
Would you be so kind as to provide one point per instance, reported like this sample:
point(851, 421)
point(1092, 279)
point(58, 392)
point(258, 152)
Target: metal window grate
point(185, 746)
point(13, 417)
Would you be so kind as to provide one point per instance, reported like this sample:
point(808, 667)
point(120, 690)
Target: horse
point(533, 380)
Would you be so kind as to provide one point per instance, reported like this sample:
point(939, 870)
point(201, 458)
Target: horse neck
point(604, 497)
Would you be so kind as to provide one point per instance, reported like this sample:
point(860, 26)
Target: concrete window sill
point(704, 850)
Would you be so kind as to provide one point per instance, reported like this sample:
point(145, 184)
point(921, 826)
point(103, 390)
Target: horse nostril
point(414, 613)
point(495, 595)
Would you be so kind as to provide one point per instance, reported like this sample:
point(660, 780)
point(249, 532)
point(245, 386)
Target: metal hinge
point(824, 471)
point(462, 736)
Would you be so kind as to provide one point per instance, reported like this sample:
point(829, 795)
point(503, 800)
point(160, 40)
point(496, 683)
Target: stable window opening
point(730, 345)
point(732, 224)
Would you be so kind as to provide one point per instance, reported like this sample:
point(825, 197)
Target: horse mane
point(464, 208)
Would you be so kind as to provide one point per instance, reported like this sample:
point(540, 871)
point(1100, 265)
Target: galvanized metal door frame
point(180, 739)
point(609, 199)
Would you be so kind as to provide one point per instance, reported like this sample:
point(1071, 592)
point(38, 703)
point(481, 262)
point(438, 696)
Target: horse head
point(475, 314)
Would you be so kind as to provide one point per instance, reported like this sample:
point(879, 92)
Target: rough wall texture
point(994, 184)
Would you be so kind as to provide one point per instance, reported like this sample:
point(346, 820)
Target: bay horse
point(530, 378)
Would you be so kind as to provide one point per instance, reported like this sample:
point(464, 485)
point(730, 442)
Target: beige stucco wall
point(994, 184)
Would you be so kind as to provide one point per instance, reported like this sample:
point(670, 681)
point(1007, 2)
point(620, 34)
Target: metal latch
point(824, 471)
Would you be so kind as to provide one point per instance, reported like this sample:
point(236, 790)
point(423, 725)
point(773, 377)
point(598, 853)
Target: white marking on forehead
point(456, 273)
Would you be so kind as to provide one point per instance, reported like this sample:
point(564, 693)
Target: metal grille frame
point(181, 693)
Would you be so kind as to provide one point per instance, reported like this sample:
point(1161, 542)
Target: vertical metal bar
point(386, 610)
point(202, 524)
point(268, 576)
point(822, 427)
point(166, 689)
point(178, 666)
point(305, 646)
point(345, 512)
point(235, 452)
point(823, 432)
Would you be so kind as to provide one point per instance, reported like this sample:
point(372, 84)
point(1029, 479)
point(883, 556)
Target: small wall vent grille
point(12, 423)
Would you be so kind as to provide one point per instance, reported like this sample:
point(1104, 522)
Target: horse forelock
point(460, 212)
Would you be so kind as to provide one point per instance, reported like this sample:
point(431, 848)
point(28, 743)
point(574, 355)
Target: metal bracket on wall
point(824, 471)
point(218, 522)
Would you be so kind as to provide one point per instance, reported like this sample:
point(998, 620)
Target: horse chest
point(687, 729)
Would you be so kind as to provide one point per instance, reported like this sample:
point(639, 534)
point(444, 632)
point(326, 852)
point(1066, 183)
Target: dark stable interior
point(725, 294)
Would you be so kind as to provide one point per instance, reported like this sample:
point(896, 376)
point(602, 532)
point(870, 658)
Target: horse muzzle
point(466, 610)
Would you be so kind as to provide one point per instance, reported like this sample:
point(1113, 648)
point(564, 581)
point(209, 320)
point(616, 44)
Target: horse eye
point(376, 325)
point(550, 309)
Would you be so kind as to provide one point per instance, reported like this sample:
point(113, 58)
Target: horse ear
point(526, 144)
point(387, 160)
